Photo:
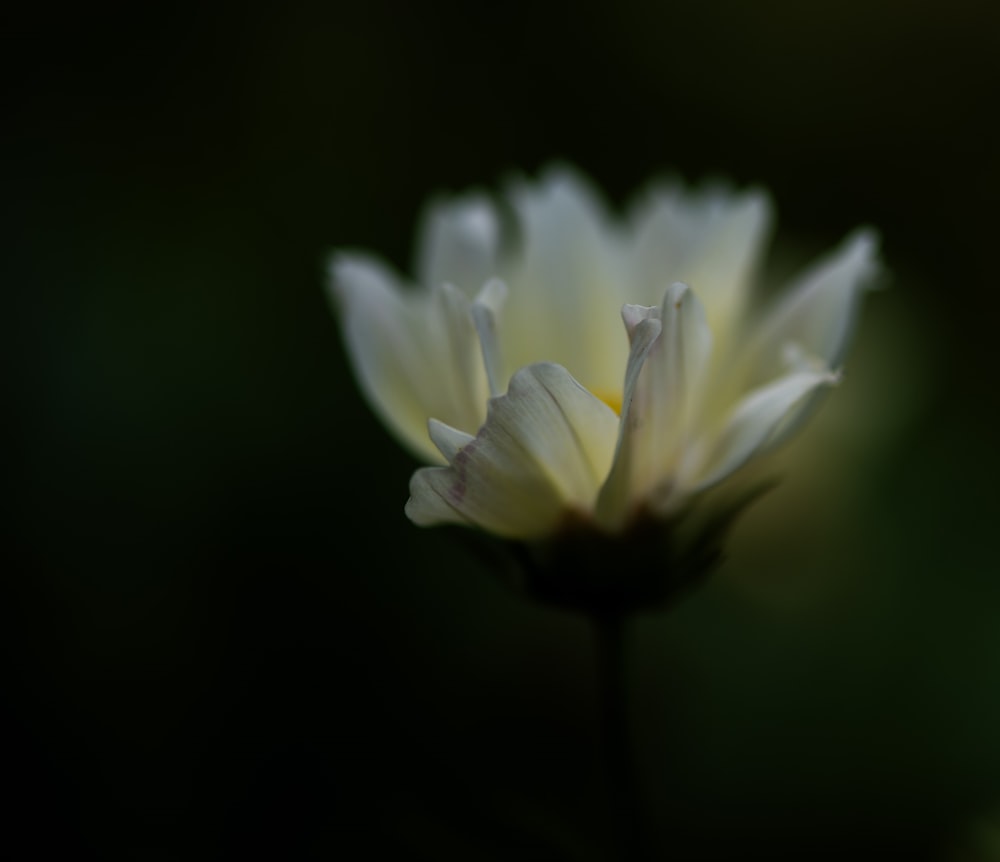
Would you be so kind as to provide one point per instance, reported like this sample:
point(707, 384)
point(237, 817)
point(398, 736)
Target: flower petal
point(567, 281)
point(756, 419)
point(544, 449)
point(681, 361)
point(660, 402)
point(447, 439)
point(710, 239)
point(415, 353)
point(485, 311)
point(817, 314)
point(644, 327)
point(460, 372)
point(459, 241)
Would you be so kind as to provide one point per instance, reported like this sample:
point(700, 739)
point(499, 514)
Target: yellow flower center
point(611, 398)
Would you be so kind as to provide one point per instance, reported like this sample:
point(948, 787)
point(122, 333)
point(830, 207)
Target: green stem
point(627, 821)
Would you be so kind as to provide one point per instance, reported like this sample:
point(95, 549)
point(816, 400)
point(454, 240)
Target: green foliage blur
point(223, 639)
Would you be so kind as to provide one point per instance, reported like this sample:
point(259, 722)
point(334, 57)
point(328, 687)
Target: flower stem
point(627, 821)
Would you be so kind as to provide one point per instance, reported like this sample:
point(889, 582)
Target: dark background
point(223, 638)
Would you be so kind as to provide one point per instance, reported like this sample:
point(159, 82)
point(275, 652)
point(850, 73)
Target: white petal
point(710, 239)
point(461, 373)
point(485, 311)
point(660, 401)
point(817, 314)
point(796, 359)
point(755, 420)
point(458, 244)
point(566, 283)
point(643, 326)
point(682, 360)
point(447, 439)
point(545, 448)
point(415, 353)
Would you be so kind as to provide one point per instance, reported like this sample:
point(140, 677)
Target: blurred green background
point(224, 639)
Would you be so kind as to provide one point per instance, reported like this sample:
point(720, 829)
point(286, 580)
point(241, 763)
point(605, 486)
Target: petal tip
point(350, 273)
point(676, 294)
point(865, 242)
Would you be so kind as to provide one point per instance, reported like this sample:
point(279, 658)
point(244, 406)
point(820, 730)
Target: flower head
point(579, 369)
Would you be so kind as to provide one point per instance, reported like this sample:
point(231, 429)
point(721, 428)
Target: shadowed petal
point(459, 241)
point(755, 420)
point(661, 399)
point(485, 314)
point(545, 448)
point(415, 353)
point(710, 239)
point(818, 311)
point(569, 282)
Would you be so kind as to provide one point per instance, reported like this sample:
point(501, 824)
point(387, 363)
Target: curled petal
point(613, 504)
point(544, 450)
point(666, 368)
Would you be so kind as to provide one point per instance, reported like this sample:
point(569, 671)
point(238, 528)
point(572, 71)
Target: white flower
point(508, 365)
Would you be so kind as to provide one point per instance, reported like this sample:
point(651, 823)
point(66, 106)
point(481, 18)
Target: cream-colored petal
point(566, 280)
point(817, 313)
point(460, 373)
point(415, 353)
point(544, 450)
point(661, 400)
point(614, 503)
point(485, 314)
point(459, 242)
point(756, 419)
point(711, 239)
point(679, 365)
point(447, 439)
point(796, 359)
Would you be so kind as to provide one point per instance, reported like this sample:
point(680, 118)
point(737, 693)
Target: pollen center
point(612, 398)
